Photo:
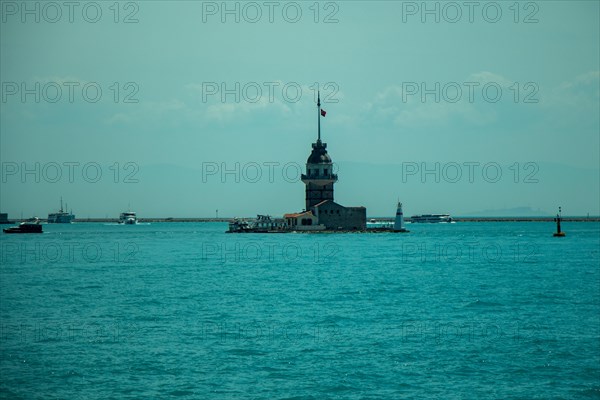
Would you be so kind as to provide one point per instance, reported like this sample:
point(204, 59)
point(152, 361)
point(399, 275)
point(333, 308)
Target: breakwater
point(384, 220)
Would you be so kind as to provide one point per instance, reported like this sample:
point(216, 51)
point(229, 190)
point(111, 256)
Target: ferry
point(31, 226)
point(61, 217)
point(128, 218)
point(431, 218)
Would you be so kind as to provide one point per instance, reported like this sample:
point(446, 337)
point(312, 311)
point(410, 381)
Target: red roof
point(296, 215)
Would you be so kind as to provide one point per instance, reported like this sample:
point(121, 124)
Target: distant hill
point(509, 212)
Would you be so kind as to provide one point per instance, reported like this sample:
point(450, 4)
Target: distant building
point(321, 209)
point(4, 218)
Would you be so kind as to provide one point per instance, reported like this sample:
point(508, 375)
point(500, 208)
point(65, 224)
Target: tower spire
point(319, 114)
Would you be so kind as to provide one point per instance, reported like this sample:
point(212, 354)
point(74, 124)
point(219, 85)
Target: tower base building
point(337, 217)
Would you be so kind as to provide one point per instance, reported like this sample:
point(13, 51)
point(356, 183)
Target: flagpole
point(319, 113)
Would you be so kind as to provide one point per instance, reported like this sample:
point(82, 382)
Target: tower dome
point(319, 154)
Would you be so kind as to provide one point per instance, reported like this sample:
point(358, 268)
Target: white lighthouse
point(399, 221)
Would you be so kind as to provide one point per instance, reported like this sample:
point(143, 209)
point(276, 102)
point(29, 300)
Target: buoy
point(558, 232)
point(399, 221)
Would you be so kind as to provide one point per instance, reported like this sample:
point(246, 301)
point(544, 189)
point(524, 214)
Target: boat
point(431, 218)
point(374, 224)
point(238, 226)
point(61, 217)
point(262, 224)
point(558, 218)
point(128, 218)
point(30, 226)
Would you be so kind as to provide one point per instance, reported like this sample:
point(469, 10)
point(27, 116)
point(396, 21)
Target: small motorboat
point(31, 226)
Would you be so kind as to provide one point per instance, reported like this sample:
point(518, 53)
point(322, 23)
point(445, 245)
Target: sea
point(470, 310)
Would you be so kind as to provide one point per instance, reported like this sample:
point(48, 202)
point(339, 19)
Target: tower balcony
point(319, 179)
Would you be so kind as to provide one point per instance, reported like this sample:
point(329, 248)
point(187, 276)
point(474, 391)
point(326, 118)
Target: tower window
point(325, 171)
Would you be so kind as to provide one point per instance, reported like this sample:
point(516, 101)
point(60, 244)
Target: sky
point(183, 108)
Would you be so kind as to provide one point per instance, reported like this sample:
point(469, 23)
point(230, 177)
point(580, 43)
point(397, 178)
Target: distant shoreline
point(456, 219)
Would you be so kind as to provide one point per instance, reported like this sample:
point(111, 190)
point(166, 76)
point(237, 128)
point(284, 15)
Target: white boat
point(431, 218)
point(128, 218)
point(374, 224)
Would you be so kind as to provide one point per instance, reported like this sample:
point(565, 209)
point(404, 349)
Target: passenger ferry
point(61, 217)
point(128, 218)
point(431, 218)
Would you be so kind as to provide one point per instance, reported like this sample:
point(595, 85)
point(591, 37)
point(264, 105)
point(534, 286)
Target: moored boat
point(262, 224)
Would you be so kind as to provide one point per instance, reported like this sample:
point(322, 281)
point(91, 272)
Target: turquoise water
point(467, 310)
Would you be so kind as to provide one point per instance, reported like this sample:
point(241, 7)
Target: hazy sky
point(450, 106)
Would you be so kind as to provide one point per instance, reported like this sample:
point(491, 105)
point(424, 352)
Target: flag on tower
point(323, 112)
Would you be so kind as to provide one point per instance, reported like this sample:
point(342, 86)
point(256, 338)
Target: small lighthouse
point(399, 221)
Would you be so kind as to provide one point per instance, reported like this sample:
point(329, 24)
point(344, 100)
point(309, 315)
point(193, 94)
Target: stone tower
point(319, 177)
